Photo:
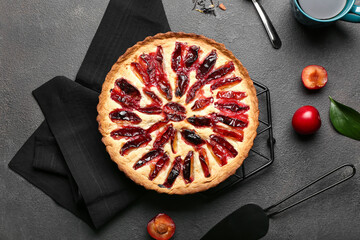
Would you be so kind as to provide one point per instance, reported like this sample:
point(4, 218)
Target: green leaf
point(345, 119)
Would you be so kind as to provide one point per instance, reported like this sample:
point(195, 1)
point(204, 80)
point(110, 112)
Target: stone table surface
point(42, 39)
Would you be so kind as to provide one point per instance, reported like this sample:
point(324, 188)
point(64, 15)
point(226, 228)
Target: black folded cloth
point(65, 157)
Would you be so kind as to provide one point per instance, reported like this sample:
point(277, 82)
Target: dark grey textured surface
point(42, 39)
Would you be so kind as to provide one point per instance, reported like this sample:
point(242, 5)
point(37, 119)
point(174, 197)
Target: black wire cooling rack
point(262, 153)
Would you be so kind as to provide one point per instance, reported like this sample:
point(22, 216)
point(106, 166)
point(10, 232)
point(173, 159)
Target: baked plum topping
point(155, 99)
point(175, 117)
point(236, 135)
point(127, 132)
point(163, 161)
point(218, 73)
point(191, 56)
point(156, 126)
point(207, 65)
point(123, 115)
point(219, 153)
point(202, 103)
point(141, 73)
point(177, 64)
point(161, 227)
point(165, 88)
point(174, 173)
point(174, 112)
point(126, 94)
point(151, 109)
point(231, 106)
point(165, 136)
point(174, 141)
point(221, 72)
point(174, 107)
point(200, 121)
point(192, 138)
point(230, 121)
point(188, 167)
point(147, 61)
point(204, 68)
point(116, 96)
point(135, 143)
point(235, 95)
point(193, 90)
point(225, 82)
point(224, 144)
point(182, 84)
point(155, 71)
point(159, 54)
point(163, 83)
point(125, 101)
point(128, 89)
point(147, 158)
point(176, 56)
point(204, 162)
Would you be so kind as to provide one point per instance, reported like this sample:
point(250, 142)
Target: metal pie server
point(251, 221)
point(273, 36)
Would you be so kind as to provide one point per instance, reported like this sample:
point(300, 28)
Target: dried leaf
point(222, 7)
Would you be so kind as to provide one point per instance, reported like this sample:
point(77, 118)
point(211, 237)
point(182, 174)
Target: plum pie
point(178, 113)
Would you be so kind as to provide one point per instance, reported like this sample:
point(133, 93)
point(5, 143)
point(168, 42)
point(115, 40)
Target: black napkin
point(65, 157)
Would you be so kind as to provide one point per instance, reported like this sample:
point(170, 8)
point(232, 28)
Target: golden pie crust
point(125, 163)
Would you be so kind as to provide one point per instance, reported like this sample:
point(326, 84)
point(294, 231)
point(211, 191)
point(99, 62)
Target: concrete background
point(42, 39)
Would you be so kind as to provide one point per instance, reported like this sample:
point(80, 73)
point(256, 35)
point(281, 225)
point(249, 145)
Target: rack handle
point(314, 194)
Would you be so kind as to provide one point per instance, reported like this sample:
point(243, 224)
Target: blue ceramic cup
point(350, 13)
